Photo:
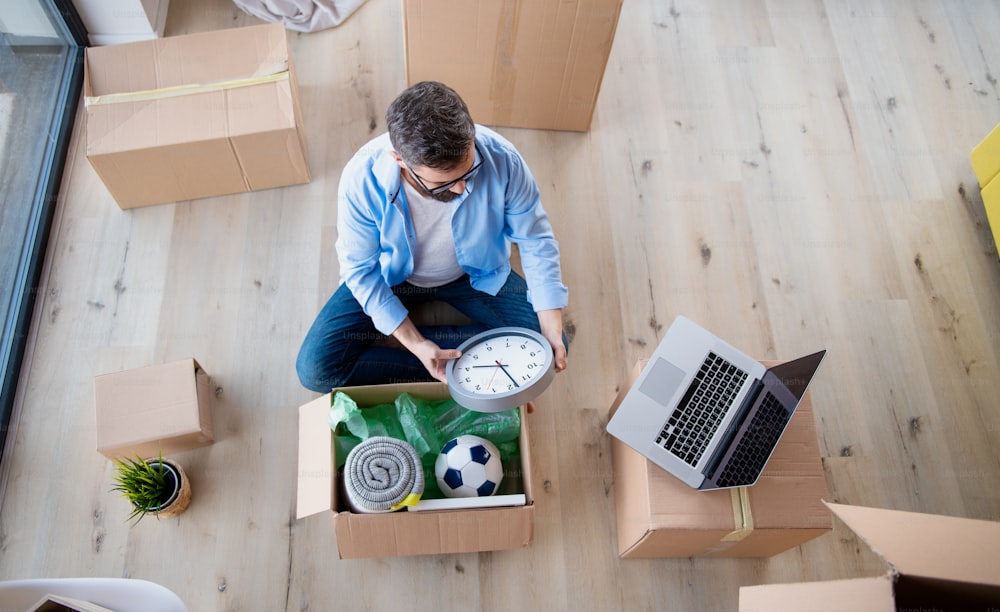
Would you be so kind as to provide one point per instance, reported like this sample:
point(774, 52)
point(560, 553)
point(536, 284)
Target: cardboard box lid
point(927, 545)
point(191, 59)
point(184, 89)
point(138, 405)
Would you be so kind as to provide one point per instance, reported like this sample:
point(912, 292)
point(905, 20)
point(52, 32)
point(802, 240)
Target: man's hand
point(552, 328)
point(434, 358)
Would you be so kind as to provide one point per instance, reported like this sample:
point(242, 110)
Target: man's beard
point(444, 196)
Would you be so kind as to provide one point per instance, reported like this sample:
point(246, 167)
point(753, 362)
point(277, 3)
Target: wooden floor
point(794, 175)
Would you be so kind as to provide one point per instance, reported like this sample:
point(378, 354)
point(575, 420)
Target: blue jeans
point(343, 349)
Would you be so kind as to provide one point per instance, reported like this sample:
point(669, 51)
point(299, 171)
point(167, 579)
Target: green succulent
point(143, 484)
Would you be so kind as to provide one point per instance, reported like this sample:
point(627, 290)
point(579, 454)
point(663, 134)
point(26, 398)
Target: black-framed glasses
point(445, 187)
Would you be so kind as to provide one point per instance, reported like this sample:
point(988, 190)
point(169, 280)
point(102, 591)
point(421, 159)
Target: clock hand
point(508, 374)
point(492, 365)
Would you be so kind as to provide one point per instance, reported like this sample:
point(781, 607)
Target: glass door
point(41, 71)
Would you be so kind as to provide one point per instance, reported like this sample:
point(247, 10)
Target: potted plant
point(157, 485)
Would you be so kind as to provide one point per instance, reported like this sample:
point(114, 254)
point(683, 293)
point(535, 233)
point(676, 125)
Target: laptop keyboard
point(690, 428)
point(753, 451)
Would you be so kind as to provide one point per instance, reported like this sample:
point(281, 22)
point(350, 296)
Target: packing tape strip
point(742, 516)
point(184, 90)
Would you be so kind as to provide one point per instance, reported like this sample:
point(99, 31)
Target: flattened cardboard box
point(145, 410)
point(660, 516)
point(59, 603)
point(194, 116)
point(401, 533)
point(520, 63)
point(934, 563)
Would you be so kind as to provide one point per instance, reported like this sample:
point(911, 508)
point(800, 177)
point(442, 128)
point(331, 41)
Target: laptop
point(708, 413)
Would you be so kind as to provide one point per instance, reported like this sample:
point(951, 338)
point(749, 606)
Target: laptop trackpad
point(662, 381)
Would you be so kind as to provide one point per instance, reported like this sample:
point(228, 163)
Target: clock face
point(501, 364)
point(500, 369)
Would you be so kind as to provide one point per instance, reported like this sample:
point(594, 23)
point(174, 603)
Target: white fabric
point(301, 15)
point(435, 262)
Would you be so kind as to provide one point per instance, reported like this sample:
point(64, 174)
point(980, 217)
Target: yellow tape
point(409, 500)
point(183, 90)
point(741, 515)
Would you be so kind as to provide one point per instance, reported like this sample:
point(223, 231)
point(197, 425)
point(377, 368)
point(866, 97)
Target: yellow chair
point(985, 160)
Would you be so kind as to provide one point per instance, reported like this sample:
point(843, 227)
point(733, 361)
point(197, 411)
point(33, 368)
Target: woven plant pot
point(181, 494)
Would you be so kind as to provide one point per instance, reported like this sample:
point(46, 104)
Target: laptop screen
point(796, 374)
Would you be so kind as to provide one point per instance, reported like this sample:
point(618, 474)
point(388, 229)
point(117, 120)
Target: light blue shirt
point(500, 206)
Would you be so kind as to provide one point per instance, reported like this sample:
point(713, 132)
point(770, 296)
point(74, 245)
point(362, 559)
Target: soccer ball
point(469, 466)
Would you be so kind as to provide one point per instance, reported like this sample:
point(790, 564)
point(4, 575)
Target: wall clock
point(500, 369)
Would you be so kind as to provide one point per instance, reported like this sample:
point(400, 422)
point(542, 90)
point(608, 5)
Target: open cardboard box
point(194, 116)
point(660, 516)
point(934, 563)
point(144, 411)
point(520, 63)
point(401, 533)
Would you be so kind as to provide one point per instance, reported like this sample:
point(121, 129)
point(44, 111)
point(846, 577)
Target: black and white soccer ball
point(469, 466)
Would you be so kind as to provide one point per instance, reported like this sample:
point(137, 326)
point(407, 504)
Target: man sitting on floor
point(427, 212)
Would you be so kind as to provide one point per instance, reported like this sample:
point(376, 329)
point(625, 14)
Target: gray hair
point(430, 125)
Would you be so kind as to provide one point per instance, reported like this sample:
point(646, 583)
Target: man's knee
point(311, 375)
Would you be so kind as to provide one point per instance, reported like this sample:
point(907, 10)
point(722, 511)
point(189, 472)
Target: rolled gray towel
point(383, 474)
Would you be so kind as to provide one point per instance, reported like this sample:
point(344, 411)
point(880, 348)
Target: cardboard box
point(521, 63)
point(145, 410)
point(660, 516)
point(934, 563)
point(194, 116)
point(401, 533)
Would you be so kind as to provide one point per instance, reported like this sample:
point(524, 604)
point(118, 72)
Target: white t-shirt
point(434, 259)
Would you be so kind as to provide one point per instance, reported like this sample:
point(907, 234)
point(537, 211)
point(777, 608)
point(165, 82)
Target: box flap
point(316, 478)
point(525, 447)
point(927, 545)
point(373, 395)
point(858, 595)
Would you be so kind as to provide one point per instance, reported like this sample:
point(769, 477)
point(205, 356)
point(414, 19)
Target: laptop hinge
point(734, 426)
